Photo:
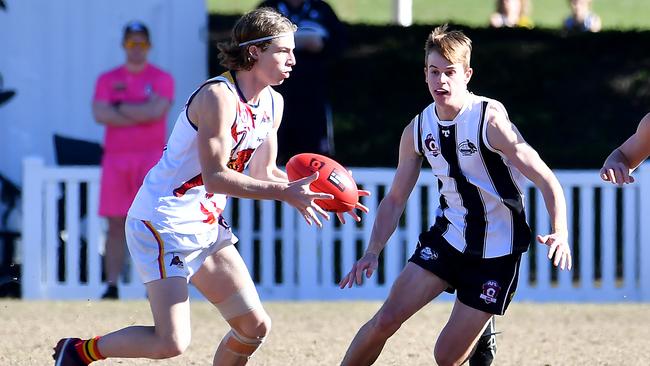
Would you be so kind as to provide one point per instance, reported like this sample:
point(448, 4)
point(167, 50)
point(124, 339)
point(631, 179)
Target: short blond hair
point(256, 24)
point(454, 46)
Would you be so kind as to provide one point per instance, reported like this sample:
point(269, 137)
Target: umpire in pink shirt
point(132, 101)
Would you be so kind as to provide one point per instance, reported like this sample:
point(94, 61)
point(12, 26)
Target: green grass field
point(616, 14)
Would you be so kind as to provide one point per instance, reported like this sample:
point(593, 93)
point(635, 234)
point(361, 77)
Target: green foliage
point(574, 98)
point(616, 14)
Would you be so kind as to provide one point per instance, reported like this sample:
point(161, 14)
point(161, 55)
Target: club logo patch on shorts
point(428, 254)
point(176, 261)
point(490, 292)
point(223, 222)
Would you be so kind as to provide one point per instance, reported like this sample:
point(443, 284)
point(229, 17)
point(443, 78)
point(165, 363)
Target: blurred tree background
point(574, 98)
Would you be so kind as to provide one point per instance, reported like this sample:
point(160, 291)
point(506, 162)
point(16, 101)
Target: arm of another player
point(390, 209)
point(504, 136)
point(213, 109)
point(624, 159)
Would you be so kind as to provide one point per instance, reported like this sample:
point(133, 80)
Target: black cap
point(136, 26)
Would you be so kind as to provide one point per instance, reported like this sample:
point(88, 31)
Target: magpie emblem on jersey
point(490, 292)
point(428, 254)
point(467, 148)
point(430, 143)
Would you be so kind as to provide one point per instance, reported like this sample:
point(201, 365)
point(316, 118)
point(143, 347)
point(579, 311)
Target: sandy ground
point(309, 333)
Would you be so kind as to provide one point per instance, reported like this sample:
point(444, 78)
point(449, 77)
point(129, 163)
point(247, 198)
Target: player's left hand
point(558, 249)
point(352, 213)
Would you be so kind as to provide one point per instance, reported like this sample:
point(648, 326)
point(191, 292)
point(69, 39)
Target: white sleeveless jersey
point(172, 194)
point(481, 211)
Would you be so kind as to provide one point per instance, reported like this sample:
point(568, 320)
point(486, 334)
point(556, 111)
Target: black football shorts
point(486, 284)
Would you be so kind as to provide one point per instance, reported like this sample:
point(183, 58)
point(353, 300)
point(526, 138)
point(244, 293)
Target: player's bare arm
point(152, 110)
point(107, 114)
point(624, 159)
point(213, 111)
point(504, 136)
point(390, 209)
point(263, 164)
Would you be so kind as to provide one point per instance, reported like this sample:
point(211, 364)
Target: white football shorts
point(159, 253)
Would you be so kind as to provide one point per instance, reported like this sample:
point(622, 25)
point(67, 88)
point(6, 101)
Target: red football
point(333, 179)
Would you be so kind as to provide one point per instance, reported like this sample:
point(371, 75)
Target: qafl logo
point(490, 291)
point(430, 143)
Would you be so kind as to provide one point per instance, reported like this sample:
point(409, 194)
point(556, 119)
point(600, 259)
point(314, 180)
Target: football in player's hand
point(333, 179)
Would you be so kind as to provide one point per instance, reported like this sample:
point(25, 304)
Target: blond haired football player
point(480, 160)
point(175, 231)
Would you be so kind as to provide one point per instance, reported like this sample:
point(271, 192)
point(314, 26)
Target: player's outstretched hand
point(369, 263)
point(617, 173)
point(558, 249)
point(352, 213)
point(302, 198)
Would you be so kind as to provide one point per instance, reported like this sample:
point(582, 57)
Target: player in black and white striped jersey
point(474, 248)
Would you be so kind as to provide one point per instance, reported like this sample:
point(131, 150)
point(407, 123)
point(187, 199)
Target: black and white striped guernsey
point(481, 211)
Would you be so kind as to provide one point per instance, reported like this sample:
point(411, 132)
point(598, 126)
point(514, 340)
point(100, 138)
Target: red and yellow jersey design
point(173, 194)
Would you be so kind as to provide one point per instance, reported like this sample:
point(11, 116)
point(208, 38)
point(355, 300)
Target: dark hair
point(135, 26)
point(258, 23)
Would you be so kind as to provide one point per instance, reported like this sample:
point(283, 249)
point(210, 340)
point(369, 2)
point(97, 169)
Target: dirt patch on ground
point(318, 333)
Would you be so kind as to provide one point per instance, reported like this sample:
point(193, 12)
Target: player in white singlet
point(474, 247)
point(175, 231)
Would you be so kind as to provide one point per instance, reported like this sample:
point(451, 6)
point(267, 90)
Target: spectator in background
point(321, 37)
point(582, 19)
point(132, 101)
point(511, 14)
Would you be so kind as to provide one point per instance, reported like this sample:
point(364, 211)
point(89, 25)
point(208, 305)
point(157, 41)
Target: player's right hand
point(369, 263)
point(302, 198)
point(617, 173)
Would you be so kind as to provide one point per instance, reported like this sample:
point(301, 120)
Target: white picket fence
point(292, 261)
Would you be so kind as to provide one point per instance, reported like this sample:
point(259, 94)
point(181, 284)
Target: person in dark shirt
point(582, 18)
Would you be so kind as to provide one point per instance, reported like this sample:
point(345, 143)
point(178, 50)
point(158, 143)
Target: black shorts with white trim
point(486, 284)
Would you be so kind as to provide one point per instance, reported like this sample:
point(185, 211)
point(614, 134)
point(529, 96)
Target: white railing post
point(308, 287)
point(32, 229)
point(643, 178)
point(403, 12)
